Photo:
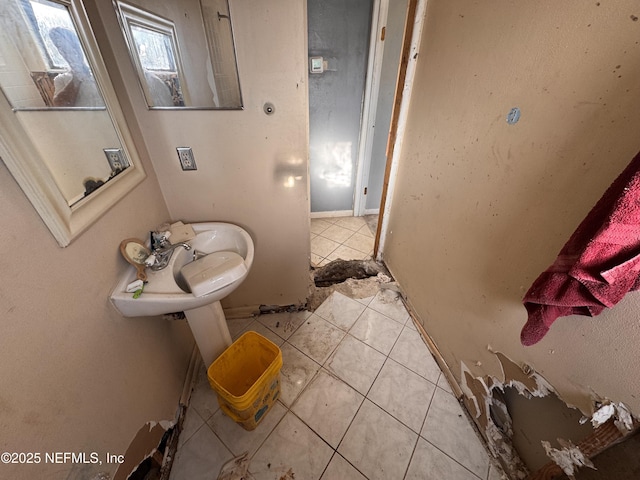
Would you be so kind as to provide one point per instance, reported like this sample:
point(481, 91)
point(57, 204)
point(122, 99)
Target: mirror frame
point(31, 173)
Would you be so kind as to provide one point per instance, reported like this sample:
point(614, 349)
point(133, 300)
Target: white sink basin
point(167, 291)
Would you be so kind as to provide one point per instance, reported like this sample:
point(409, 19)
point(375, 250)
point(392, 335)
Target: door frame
point(369, 105)
point(414, 23)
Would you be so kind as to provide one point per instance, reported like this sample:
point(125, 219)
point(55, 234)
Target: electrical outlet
point(116, 159)
point(185, 155)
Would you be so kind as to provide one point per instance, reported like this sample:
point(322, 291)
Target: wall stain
point(32, 418)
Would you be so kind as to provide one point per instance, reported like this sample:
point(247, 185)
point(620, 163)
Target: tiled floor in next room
point(361, 398)
point(348, 238)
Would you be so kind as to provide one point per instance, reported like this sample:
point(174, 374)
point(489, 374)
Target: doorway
point(352, 80)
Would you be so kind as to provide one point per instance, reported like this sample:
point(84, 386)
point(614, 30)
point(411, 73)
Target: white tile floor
point(361, 398)
point(348, 238)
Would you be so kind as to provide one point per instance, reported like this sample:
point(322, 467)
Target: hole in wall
point(535, 419)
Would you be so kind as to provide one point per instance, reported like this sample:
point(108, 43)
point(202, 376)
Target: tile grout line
point(366, 396)
point(453, 459)
point(334, 221)
point(413, 452)
point(323, 368)
point(197, 429)
point(335, 450)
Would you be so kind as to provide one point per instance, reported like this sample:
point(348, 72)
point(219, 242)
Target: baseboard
point(372, 211)
point(242, 312)
point(335, 213)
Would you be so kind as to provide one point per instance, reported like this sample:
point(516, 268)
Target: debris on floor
point(266, 309)
point(236, 469)
point(289, 475)
point(353, 278)
point(340, 270)
point(352, 288)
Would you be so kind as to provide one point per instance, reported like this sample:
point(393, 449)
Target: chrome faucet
point(163, 254)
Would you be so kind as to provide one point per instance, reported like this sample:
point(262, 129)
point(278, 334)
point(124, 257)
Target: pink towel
point(597, 266)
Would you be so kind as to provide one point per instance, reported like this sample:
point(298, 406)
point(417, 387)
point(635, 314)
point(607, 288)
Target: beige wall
point(482, 207)
point(244, 157)
point(75, 375)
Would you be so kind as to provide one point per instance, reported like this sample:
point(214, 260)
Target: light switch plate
point(316, 64)
point(187, 161)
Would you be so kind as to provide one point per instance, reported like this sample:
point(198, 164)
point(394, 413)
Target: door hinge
point(365, 190)
point(382, 32)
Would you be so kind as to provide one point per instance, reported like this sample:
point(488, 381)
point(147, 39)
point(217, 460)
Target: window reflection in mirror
point(47, 79)
point(72, 163)
point(56, 63)
point(154, 50)
point(183, 52)
point(158, 61)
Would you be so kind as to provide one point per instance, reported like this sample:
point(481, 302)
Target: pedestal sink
point(168, 291)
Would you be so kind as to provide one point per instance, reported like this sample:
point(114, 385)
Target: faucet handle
point(159, 239)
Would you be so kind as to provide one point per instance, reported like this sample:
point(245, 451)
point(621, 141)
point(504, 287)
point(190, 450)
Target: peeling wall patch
point(482, 398)
point(623, 420)
point(486, 398)
point(568, 458)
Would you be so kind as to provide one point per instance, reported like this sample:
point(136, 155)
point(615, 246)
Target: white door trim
point(370, 104)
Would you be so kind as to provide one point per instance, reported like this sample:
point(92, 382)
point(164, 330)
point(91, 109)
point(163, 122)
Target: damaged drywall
point(524, 379)
point(493, 420)
point(568, 458)
point(149, 442)
point(484, 396)
point(622, 417)
point(485, 399)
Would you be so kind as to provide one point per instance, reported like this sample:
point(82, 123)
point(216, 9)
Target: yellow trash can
point(246, 378)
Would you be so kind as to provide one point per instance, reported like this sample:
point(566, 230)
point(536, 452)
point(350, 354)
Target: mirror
point(50, 85)
point(202, 76)
point(41, 34)
point(135, 252)
point(63, 135)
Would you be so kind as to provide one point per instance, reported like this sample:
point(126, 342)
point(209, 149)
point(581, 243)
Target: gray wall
point(338, 31)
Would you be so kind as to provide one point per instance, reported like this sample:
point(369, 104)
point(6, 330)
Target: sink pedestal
point(209, 327)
